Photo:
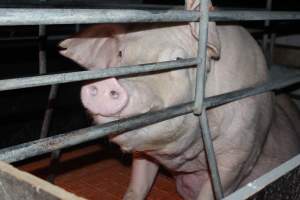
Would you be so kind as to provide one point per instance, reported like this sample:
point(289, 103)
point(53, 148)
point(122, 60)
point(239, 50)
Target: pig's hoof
point(130, 195)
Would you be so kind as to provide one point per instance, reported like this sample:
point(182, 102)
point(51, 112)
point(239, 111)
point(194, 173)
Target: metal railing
point(199, 106)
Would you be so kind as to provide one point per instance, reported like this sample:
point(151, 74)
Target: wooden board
point(17, 185)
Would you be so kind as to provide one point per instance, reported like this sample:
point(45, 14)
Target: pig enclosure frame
point(199, 106)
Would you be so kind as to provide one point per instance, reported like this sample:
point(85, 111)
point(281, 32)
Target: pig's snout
point(106, 98)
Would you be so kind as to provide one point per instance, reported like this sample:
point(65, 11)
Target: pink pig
point(250, 136)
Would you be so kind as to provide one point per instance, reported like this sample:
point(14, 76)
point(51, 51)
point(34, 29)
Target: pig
point(250, 136)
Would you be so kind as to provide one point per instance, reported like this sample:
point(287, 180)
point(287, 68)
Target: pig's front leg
point(143, 174)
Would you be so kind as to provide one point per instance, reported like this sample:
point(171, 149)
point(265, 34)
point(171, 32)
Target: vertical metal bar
point(272, 43)
point(42, 52)
point(266, 38)
point(201, 57)
point(53, 169)
point(49, 111)
point(199, 97)
point(77, 28)
point(52, 96)
point(43, 70)
point(211, 157)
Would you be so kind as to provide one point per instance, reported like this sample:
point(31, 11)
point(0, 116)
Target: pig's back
point(241, 62)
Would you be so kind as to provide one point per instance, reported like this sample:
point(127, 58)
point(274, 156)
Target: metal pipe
point(87, 4)
point(43, 70)
point(21, 38)
point(266, 39)
point(211, 156)
point(49, 111)
point(10, 16)
point(201, 57)
point(266, 179)
point(272, 45)
point(41, 146)
point(252, 15)
point(42, 51)
point(51, 99)
point(17, 83)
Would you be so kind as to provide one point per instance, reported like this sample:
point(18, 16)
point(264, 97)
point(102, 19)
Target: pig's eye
point(179, 58)
point(120, 54)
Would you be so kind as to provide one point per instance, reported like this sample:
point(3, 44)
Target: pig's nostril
point(93, 91)
point(114, 94)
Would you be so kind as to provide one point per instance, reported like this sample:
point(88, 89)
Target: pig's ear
point(213, 42)
point(78, 50)
point(91, 53)
point(94, 47)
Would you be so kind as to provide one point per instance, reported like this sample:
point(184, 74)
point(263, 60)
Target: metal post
point(266, 38)
point(199, 98)
point(42, 52)
point(201, 57)
point(272, 43)
point(52, 96)
point(77, 28)
point(211, 157)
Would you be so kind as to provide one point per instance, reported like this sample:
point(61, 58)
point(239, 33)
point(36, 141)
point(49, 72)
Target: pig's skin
point(248, 135)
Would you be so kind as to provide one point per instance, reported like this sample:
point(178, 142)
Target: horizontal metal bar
point(38, 147)
point(11, 16)
point(263, 181)
point(253, 15)
point(83, 16)
point(21, 38)
point(41, 146)
point(17, 83)
point(84, 4)
point(251, 91)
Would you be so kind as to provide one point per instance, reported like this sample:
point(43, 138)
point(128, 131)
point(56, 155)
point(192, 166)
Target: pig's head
point(113, 45)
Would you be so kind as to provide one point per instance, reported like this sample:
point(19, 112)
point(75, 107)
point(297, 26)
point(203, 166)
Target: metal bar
point(43, 70)
point(201, 58)
point(77, 28)
point(211, 157)
point(272, 45)
point(266, 38)
point(252, 15)
point(263, 181)
point(10, 16)
point(251, 91)
point(85, 4)
point(199, 97)
point(51, 99)
point(53, 166)
point(41, 146)
point(42, 51)
point(21, 38)
point(35, 81)
point(49, 111)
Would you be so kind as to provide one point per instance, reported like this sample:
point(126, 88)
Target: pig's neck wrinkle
point(189, 158)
